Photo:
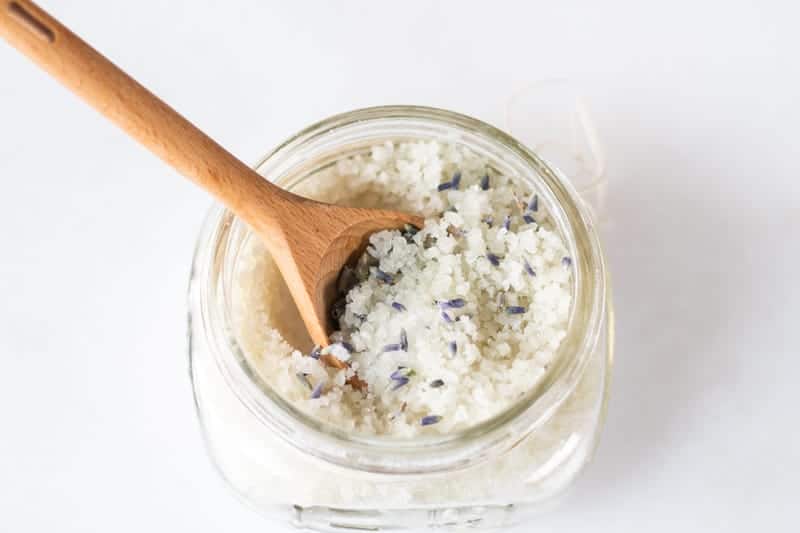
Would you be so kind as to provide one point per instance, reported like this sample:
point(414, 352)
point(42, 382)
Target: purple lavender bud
point(456, 181)
point(566, 261)
point(455, 303)
point(534, 203)
point(347, 346)
point(430, 420)
point(485, 182)
point(403, 340)
point(453, 347)
point(446, 317)
point(315, 352)
point(528, 219)
point(507, 222)
point(515, 310)
point(391, 348)
point(436, 383)
point(383, 276)
point(489, 220)
point(529, 268)
point(444, 186)
point(398, 306)
point(317, 392)
point(493, 259)
point(401, 381)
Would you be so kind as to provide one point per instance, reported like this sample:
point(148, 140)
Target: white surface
point(697, 103)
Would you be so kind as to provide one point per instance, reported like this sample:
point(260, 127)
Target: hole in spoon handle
point(31, 23)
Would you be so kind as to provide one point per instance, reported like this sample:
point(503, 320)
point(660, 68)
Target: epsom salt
point(447, 325)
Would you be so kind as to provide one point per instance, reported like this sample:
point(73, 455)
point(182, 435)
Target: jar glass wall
point(287, 464)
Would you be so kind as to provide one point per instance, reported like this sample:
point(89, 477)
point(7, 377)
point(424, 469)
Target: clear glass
point(291, 466)
point(553, 118)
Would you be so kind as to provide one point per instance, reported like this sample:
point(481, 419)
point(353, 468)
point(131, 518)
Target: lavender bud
point(456, 181)
point(391, 348)
point(529, 268)
point(430, 420)
point(317, 392)
point(383, 276)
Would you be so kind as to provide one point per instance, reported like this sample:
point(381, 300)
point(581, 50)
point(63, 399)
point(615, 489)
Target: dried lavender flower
point(347, 346)
point(528, 219)
point(400, 382)
point(533, 205)
point(507, 223)
point(403, 340)
point(489, 220)
point(515, 310)
point(315, 352)
point(430, 420)
point(453, 347)
point(398, 306)
point(317, 392)
point(456, 181)
point(436, 383)
point(455, 303)
point(446, 317)
point(485, 182)
point(402, 372)
point(391, 348)
point(493, 259)
point(444, 186)
point(566, 261)
point(529, 268)
point(383, 276)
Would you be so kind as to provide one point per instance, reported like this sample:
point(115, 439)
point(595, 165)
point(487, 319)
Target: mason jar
point(295, 468)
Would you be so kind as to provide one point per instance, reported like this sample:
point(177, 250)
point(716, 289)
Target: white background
point(697, 103)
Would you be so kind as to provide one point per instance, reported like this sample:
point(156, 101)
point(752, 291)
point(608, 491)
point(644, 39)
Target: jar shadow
point(674, 297)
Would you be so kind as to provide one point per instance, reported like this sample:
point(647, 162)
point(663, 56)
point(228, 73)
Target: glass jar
point(287, 464)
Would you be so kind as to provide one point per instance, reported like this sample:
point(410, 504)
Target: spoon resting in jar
point(310, 241)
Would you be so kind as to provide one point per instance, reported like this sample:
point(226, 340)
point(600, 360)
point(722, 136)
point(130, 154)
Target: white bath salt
point(448, 325)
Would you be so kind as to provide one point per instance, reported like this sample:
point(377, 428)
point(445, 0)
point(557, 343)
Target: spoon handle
point(141, 114)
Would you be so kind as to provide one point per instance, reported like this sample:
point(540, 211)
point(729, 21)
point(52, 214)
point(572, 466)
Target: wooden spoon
point(310, 241)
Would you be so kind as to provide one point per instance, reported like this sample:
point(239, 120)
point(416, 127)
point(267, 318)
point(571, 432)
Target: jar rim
point(430, 453)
